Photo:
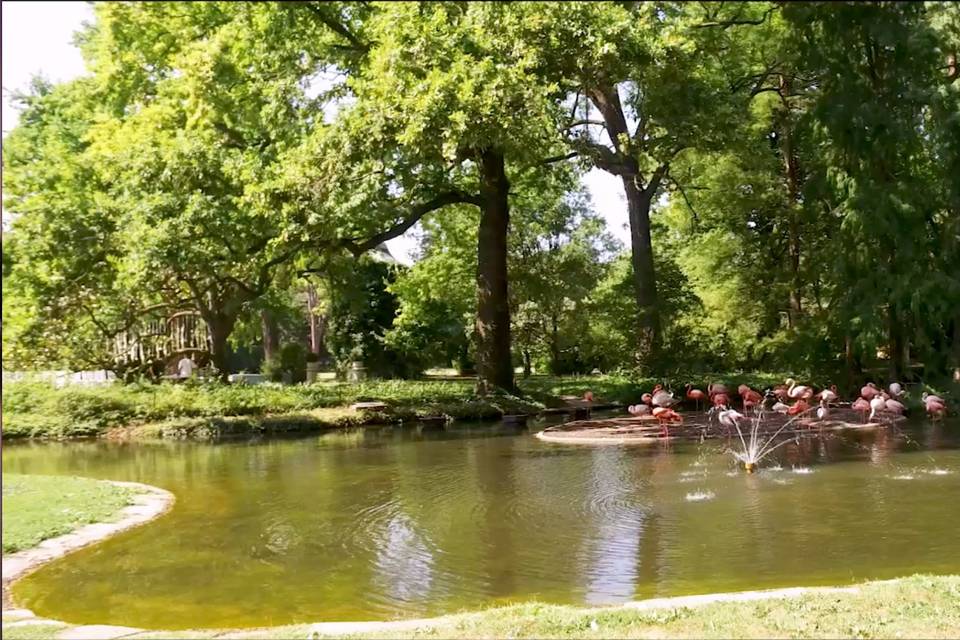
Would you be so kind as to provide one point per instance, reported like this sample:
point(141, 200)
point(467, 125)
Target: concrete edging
point(151, 502)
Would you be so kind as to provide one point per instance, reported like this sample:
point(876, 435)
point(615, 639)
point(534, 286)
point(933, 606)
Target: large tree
point(641, 83)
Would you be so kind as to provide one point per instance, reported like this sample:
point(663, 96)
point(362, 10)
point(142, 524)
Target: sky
point(37, 39)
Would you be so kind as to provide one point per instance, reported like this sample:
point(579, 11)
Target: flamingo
point(646, 398)
point(715, 388)
point(742, 389)
point(829, 394)
point(929, 397)
point(588, 396)
point(639, 409)
point(750, 397)
point(798, 391)
point(663, 398)
point(877, 404)
point(780, 407)
point(935, 409)
point(665, 415)
point(696, 395)
point(780, 391)
point(824, 411)
point(868, 391)
point(798, 407)
point(862, 406)
point(895, 389)
point(893, 406)
point(720, 400)
point(730, 418)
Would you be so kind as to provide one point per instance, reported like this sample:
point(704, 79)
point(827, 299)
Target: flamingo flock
point(790, 398)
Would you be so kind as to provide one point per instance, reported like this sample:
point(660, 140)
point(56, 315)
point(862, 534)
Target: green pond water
point(400, 522)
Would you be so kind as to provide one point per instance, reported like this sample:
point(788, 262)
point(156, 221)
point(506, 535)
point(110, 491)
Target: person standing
point(185, 367)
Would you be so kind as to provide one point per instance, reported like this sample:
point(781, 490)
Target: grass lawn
point(39, 507)
point(915, 607)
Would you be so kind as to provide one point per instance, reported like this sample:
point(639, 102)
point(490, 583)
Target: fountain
point(757, 446)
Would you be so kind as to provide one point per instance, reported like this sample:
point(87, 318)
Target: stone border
point(149, 503)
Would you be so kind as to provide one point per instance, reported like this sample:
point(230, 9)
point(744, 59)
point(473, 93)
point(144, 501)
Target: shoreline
point(226, 427)
point(148, 504)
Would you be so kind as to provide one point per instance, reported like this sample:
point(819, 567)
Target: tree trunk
point(644, 276)
point(639, 197)
point(792, 174)
point(554, 346)
point(220, 326)
point(527, 368)
point(494, 367)
point(897, 344)
point(271, 334)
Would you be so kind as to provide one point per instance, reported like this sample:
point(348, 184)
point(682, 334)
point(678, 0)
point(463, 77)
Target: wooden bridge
point(163, 341)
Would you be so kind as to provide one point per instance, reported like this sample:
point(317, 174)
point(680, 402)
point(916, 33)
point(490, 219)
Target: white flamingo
point(877, 404)
point(895, 389)
point(781, 407)
point(824, 411)
point(798, 391)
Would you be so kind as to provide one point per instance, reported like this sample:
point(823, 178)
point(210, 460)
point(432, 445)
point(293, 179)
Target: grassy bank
point(202, 410)
point(32, 409)
point(39, 507)
point(914, 607)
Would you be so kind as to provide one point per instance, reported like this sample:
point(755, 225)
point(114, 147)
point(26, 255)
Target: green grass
point(916, 607)
point(43, 631)
point(39, 507)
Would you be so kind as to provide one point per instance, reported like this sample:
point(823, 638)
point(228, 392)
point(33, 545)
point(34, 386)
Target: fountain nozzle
point(749, 466)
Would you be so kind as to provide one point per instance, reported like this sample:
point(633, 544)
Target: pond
point(401, 522)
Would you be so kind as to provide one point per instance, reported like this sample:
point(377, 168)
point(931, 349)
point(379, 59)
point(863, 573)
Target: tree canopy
point(788, 171)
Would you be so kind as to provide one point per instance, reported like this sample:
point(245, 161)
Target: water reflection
point(404, 563)
point(619, 525)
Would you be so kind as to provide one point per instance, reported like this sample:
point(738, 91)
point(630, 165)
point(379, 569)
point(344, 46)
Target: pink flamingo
point(696, 395)
point(664, 416)
point(935, 409)
point(829, 395)
point(750, 397)
point(715, 388)
point(862, 406)
point(639, 409)
point(868, 391)
point(798, 407)
point(893, 406)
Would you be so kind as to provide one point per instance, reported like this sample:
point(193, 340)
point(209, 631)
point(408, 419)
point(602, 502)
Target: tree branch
point(693, 212)
point(726, 24)
point(358, 247)
point(339, 28)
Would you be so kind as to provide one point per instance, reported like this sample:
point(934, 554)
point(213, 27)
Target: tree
point(658, 89)
point(443, 125)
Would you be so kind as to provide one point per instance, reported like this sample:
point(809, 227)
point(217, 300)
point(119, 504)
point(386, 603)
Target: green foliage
point(806, 217)
point(361, 311)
